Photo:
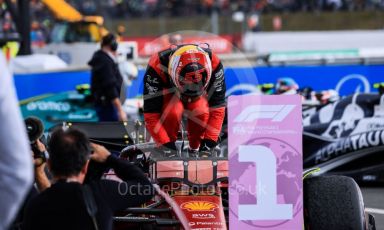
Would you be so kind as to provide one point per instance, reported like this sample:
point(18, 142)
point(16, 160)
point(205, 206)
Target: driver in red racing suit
point(186, 80)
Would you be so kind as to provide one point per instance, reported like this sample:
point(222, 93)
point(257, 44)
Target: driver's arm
point(153, 101)
point(216, 100)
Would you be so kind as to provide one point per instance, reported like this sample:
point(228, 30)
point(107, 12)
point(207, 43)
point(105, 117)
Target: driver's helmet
point(190, 70)
point(286, 86)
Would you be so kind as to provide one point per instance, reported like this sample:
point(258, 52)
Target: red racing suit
point(163, 108)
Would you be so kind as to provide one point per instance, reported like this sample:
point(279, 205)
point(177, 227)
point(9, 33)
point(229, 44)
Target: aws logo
point(275, 113)
point(199, 206)
point(203, 216)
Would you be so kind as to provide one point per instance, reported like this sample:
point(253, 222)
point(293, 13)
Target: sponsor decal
point(203, 216)
point(276, 113)
point(219, 80)
point(369, 178)
point(362, 86)
point(199, 206)
point(49, 106)
point(206, 223)
point(151, 90)
point(375, 126)
point(350, 144)
point(152, 80)
point(81, 116)
point(220, 74)
point(191, 51)
point(147, 46)
point(196, 59)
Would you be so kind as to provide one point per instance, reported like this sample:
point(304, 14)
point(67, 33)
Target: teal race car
point(73, 106)
point(52, 109)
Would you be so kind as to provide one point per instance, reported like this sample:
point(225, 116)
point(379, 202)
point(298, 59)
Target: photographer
point(35, 131)
point(70, 204)
point(106, 81)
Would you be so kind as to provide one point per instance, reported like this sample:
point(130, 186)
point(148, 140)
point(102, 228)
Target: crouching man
point(70, 204)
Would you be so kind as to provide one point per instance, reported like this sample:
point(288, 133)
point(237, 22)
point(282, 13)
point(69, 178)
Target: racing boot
point(193, 152)
point(206, 148)
point(169, 150)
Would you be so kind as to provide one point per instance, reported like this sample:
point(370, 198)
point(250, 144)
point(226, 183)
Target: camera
point(35, 130)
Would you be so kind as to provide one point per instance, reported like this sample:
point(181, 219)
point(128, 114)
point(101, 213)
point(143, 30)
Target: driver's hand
point(100, 153)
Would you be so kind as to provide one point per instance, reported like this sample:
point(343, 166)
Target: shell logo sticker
point(199, 206)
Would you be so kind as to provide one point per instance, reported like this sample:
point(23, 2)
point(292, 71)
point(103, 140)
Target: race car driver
point(185, 79)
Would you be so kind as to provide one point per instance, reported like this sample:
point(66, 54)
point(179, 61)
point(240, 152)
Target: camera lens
point(35, 128)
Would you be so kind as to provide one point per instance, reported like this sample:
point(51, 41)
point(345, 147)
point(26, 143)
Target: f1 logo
point(274, 112)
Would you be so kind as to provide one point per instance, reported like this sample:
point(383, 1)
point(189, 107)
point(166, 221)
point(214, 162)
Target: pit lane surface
point(374, 203)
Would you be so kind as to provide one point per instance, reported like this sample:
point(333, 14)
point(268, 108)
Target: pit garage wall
point(345, 79)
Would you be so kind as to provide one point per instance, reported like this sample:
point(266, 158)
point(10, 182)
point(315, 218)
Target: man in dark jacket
point(106, 81)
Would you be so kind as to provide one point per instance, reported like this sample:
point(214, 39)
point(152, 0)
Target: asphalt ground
point(374, 204)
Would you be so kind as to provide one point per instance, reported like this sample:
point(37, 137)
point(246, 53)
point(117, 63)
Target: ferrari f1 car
point(192, 192)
